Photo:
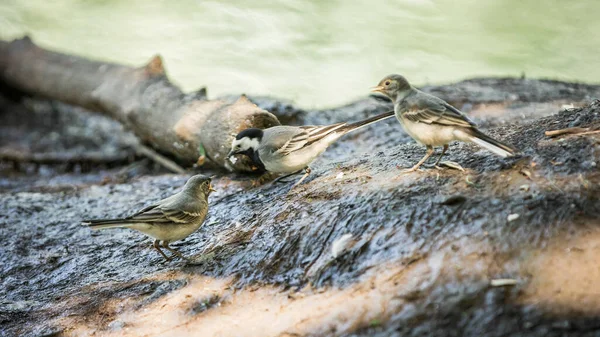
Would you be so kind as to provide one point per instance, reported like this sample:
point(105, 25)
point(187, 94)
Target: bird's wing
point(308, 135)
point(144, 210)
point(175, 210)
point(293, 143)
point(424, 108)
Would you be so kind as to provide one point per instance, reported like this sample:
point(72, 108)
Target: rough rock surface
point(418, 254)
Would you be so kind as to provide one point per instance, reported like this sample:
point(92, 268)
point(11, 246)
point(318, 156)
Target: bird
point(170, 219)
point(431, 121)
point(287, 149)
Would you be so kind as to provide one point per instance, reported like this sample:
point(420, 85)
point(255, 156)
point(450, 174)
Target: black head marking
point(250, 133)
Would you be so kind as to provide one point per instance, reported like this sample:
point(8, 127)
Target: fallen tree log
point(185, 126)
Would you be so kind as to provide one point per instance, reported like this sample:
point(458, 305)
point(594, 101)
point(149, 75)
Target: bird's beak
point(378, 88)
point(231, 153)
point(210, 188)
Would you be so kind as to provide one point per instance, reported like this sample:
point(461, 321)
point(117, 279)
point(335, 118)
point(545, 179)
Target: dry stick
point(158, 158)
point(555, 133)
point(587, 133)
point(574, 131)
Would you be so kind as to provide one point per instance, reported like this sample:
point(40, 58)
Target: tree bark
point(185, 126)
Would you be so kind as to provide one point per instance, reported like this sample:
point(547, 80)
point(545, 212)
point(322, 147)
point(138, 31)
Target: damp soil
point(356, 250)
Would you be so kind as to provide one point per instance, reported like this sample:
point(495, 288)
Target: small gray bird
point(170, 219)
point(433, 122)
point(290, 149)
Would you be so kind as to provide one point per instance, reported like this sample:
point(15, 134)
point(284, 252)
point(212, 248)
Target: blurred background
point(320, 53)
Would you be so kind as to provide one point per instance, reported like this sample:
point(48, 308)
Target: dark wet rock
point(448, 232)
point(487, 90)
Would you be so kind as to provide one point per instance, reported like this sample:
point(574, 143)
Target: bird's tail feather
point(365, 122)
point(491, 144)
point(106, 223)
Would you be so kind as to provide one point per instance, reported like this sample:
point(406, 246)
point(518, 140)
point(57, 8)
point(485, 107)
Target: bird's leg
point(280, 179)
point(157, 247)
point(441, 155)
point(417, 165)
point(175, 252)
point(307, 171)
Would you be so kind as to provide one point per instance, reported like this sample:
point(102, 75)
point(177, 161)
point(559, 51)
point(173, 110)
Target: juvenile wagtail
point(170, 219)
point(433, 122)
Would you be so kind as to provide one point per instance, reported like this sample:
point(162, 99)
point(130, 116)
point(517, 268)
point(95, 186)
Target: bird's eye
point(387, 83)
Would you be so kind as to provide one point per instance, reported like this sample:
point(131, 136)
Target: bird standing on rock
point(433, 122)
point(170, 219)
point(290, 149)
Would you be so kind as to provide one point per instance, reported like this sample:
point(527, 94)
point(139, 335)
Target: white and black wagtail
point(290, 149)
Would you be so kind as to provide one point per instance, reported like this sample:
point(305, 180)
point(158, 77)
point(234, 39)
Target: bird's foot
point(302, 179)
point(282, 179)
point(296, 184)
point(410, 170)
point(173, 251)
point(178, 254)
point(161, 253)
point(404, 172)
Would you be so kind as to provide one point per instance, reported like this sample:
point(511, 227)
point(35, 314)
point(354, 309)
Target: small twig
point(587, 133)
point(571, 131)
point(158, 158)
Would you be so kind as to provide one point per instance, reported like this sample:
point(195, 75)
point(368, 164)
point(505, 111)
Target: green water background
point(321, 53)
